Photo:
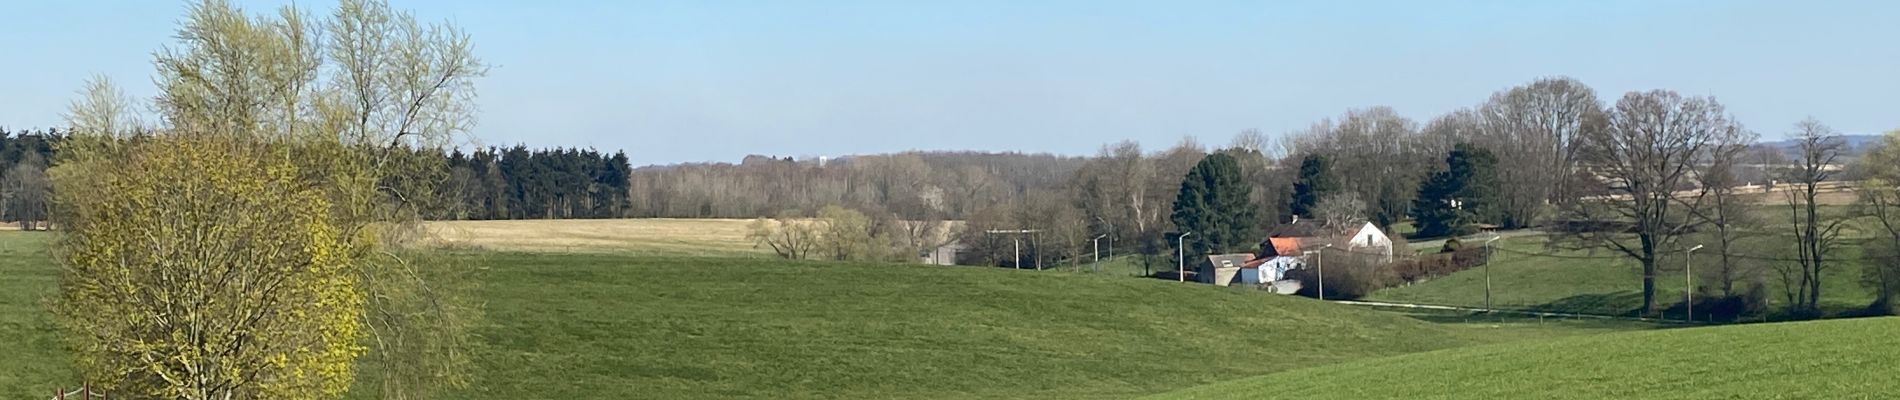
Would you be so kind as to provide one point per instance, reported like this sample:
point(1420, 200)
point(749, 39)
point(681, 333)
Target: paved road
point(1475, 239)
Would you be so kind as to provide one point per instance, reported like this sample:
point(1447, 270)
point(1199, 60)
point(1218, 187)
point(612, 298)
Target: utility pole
point(1321, 265)
point(1688, 281)
point(1097, 263)
point(1487, 271)
point(1180, 256)
point(1017, 240)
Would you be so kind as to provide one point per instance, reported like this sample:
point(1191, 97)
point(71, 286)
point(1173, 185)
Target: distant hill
point(1856, 144)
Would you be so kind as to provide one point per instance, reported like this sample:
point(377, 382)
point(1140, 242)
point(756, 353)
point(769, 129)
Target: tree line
point(519, 183)
point(485, 183)
point(25, 192)
point(911, 185)
point(1646, 177)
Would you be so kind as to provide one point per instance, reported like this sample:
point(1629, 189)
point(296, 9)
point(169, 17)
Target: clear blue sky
point(716, 80)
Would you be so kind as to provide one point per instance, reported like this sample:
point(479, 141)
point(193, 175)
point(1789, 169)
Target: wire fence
point(84, 392)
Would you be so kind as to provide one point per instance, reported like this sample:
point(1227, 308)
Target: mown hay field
point(658, 236)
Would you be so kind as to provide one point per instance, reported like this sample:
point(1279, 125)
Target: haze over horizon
point(715, 81)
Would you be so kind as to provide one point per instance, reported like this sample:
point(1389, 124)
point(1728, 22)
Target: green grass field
point(33, 360)
point(1600, 282)
point(1835, 359)
point(722, 328)
point(617, 325)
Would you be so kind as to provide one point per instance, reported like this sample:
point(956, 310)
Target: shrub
point(1451, 245)
point(1881, 274)
point(1436, 265)
point(206, 266)
point(1347, 275)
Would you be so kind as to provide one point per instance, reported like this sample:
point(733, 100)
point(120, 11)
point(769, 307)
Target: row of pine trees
point(487, 183)
point(519, 183)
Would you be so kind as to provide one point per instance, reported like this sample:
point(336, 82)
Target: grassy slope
point(1823, 359)
point(621, 325)
point(1600, 286)
point(716, 328)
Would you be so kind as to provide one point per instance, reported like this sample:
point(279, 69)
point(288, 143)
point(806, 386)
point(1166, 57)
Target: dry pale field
point(1828, 196)
point(646, 236)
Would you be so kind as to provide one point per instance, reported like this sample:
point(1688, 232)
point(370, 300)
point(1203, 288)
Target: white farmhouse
point(1369, 239)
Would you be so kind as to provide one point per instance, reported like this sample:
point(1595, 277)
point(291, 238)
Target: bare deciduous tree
point(102, 109)
point(1818, 150)
point(1729, 217)
point(1254, 140)
point(1532, 128)
point(1341, 210)
point(787, 235)
point(1638, 167)
point(1382, 151)
point(26, 190)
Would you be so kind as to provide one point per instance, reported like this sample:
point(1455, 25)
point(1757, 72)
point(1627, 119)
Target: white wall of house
point(1370, 239)
point(1275, 269)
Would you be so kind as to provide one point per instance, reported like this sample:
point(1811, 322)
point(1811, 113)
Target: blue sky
point(716, 80)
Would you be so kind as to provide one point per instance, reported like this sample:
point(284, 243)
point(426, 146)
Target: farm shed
point(1220, 270)
point(943, 255)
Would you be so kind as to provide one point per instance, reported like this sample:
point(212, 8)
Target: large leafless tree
point(1818, 150)
point(1729, 218)
point(1381, 151)
point(1640, 166)
point(1532, 129)
point(27, 192)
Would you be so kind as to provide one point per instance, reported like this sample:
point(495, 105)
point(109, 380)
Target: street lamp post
point(1180, 256)
point(1096, 264)
point(1688, 280)
point(1015, 240)
point(1487, 271)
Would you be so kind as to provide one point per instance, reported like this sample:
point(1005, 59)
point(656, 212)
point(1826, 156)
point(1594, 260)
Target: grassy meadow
point(724, 328)
point(626, 323)
point(1527, 274)
point(33, 360)
point(685, 309)
point(1835, 359)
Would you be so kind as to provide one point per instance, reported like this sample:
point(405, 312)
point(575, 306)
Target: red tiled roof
point(1285, 246)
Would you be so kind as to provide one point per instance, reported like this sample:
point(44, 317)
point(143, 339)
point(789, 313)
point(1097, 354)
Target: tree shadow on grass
point(1614, 304)
point(1622, 304)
